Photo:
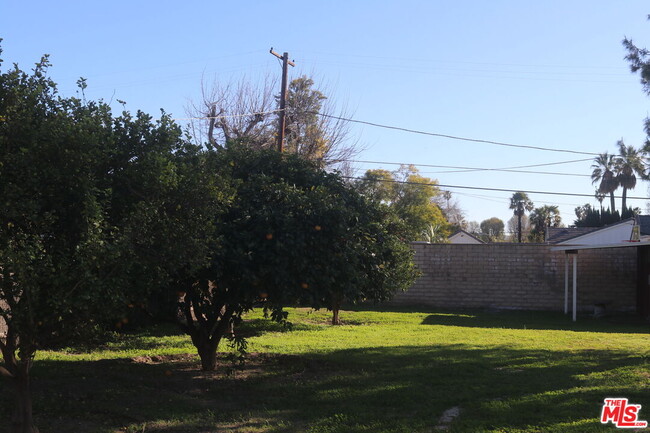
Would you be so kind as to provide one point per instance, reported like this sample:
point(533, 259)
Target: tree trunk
point(336, 306)
point(17, 370)
point(519, 226)
point(335, 317)
point(613, 203)
point(208, 355)
point(22, 420)
point(624, 202)
point(207, 349)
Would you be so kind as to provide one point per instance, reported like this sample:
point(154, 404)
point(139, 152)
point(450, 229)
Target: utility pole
point(213, 117)
point(283, 94)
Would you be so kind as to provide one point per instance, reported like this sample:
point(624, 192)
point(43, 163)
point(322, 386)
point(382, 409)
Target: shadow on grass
point(517, 319)
point(382, 389)
point(620, 323)
point(168, 335)
point(255, 327)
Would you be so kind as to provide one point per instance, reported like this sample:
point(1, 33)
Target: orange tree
point(95, 210)
point(292, 234)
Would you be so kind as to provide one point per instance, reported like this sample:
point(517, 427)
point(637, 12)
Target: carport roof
point(600, 246)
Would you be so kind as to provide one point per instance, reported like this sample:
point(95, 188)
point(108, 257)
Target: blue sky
point(548, 74)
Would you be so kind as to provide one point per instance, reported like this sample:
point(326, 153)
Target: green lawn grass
point(381, 371)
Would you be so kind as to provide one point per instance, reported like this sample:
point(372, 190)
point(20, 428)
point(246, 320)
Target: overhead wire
point(203, 60)
point(509, 169)
point(451, 137)
point(500, 199)
point(415, 131)
point(461, 169)
point(553, 173)
point(485, 73)
point(165, 78)
point(443, 166)
point(480, 188)
point(428, 60)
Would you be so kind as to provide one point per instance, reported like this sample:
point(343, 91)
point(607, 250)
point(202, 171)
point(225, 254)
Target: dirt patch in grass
point(161, 359)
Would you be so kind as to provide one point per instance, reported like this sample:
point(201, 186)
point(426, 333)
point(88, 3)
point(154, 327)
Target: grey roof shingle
point(560, 234)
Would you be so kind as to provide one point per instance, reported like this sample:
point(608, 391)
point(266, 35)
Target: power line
point(428, 60)
point(203, 60)
point(485, 73)
point(444, 166)
point(462, 169)
point(500, 199)
point(553, 173)
point(414, 131)
point(151, 81)
point(451, 137)
point(439, 185)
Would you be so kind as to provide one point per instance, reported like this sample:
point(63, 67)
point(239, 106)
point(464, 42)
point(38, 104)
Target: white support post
point(575, 286)
point(566, 284)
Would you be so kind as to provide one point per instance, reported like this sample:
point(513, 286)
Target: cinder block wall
point(520, 276)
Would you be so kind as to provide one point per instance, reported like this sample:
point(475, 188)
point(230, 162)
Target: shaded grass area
point(389, 371)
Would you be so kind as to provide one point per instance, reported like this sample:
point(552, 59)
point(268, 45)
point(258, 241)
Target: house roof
point(468, 234)
point(556, 235)
point(562, 234)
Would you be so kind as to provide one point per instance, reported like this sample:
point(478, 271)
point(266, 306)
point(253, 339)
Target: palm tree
point(542, 218)
point(603, 167)
point(628, 164)
point(520, 203)
point(600, 197)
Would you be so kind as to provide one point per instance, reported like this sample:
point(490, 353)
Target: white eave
point(593, 247)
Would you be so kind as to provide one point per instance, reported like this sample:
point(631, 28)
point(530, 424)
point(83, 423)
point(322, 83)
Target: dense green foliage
point(413, 199)
point(306, 133)
point(587, 216)
point(590, 217)
point(541, 218)
point(89, 217)
point(101, 212)
point(292, 234)
point(492, 229)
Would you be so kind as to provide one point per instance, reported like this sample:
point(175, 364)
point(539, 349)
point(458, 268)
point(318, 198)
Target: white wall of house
point(463, 238)
point(614, 234)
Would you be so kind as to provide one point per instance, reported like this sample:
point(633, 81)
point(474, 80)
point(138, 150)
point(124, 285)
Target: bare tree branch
point(242, 111)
